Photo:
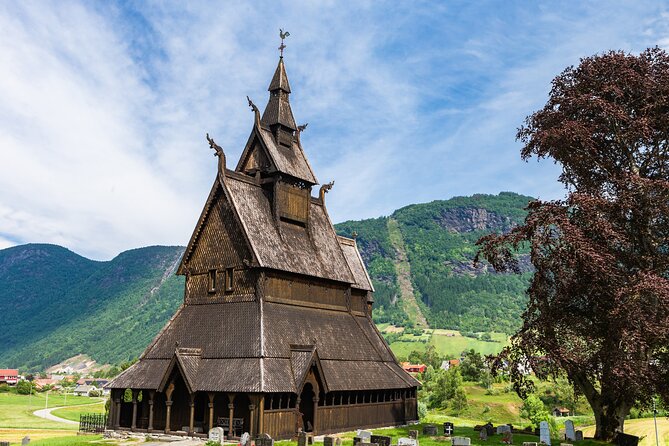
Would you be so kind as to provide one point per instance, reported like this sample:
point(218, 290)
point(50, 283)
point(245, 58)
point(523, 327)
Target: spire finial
point(283, 35)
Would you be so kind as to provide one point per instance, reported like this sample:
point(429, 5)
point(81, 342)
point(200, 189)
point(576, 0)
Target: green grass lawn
point(16, 411)
point(83, 440)
point(643, 428)
point(447, 342)
point(73, 413)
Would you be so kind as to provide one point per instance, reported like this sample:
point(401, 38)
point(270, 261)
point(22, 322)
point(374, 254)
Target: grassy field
point(446, 342)
point(84, 440)
point(16, 411)
point(643, 428)
point(72, 413)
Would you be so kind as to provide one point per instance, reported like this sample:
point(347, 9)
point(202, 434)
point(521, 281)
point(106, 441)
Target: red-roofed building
point(9, 376)
point(414, 368)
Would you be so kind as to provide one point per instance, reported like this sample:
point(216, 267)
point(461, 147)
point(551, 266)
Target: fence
point(92, 422)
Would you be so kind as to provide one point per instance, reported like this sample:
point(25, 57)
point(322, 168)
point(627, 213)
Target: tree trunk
point(609, 420)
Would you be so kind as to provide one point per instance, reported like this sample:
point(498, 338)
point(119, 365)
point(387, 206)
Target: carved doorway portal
point(307, 407)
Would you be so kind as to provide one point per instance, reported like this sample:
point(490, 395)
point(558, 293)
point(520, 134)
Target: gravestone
point(431, 430)
point(490, 429)
point(622, 439)
point(413, 434)
point(566, 444)
point(461, 441)
point(25, 441)
point(483, 434)
point(503, 428)
point(244, 440)
point(356, 441)
point(328, 441)
point(216, 434)
point(544, 433)
point(381, 440)
point(366, 436)
point(569, 433)
point(530, 443)
point(407, 442)
point(578, 436)
point(507, 437)
point(449, 429)
point(264, 440)
point(302, 439)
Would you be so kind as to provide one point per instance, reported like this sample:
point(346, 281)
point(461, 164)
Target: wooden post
point(211, 395)
point(168, 404)
point(313, 430)
point(117, 403)
point(261, 415)
point(252, 419)
point(151, 395)
point(133, 425)
point(231, 406)
point(191, 421)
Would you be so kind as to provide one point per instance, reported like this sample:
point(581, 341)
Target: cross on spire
point(283, 35)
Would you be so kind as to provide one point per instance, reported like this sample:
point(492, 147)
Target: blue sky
point(104, 106)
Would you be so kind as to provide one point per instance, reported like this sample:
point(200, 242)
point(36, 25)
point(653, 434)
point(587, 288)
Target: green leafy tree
point(472, 366)
point(24, 387)
point(459, 402)
point(534, 410)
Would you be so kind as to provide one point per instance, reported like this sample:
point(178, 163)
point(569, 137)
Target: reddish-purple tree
point(598, 306)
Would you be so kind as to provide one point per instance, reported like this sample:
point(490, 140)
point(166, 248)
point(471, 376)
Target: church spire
point(278, 115)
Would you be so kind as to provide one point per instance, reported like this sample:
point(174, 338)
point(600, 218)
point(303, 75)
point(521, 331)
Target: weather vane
point(283, 35)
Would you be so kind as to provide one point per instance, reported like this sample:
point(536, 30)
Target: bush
point(24, 387)
point(4, 388)
point(95, 393)
point(422, 410)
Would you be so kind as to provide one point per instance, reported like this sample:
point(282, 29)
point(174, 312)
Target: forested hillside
point(439, 238)
point(56, 304)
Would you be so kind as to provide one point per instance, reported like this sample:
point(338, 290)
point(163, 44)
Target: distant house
point(414, 368)
point(40, 383)
point(92, 381)
point(561, 412)
point(447, 364)
point(84, 390)
point(9, 376)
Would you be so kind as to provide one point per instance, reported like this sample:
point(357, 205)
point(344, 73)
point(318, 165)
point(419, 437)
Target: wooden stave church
point(265, 268)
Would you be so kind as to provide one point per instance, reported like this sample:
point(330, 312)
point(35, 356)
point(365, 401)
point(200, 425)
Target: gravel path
point(46, 413)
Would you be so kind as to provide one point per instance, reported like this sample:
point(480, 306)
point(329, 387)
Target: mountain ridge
point(59, 304)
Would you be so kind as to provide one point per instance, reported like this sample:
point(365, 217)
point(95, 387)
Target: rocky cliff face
point(474, 219)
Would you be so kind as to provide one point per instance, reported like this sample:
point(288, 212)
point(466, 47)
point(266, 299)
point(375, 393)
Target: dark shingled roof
point(312, 251)
point(291, 161)
point(278, 109)
point(352, 255)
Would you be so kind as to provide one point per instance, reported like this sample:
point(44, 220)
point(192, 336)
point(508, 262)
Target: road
point(47, 415)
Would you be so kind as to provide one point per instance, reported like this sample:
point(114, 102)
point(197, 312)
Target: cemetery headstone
point(449, 429)
point(25, 441)
point(244, 440)
point(483, 434)
point(365, 435)
point(407, 442)
point(413, 434)
point(431, 430)
point(569, 433)
point(328, 441)
point(503, 428)
point(264, 440)
point(337, 441)
point(216, 434)
point(578, 436)
point(544, 433)
point(507, 437)
point(381, 440)
point(622, 439)
point(566, 444)
point(530, 443)
point(356, 441)
point(302, 439)
point(461, 441)
point(489, 427)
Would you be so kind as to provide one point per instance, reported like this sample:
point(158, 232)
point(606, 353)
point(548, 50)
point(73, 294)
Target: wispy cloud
point(103, 107)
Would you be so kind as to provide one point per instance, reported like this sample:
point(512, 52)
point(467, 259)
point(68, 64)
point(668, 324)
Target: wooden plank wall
point(280, 423)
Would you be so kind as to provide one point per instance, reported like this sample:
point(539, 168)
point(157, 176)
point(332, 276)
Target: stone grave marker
point(507, 437)
point(381, 440)
point(328, 441)
point(216, 434)
point(483, 434)
point(578, 436)
point(490, 429)
point(25, 441)
point(244, 440)
point(544, 433)
point(566, 444)
point(431, 430)
point(407, 442)
point(622, 439)
point(503, 428)
point(569, 433)
point(461, 441)
point(264, 440)
point(530, 443)
point(449, 429)
point(366, 436)
point(302, 439)
point(413, 434)
point(356, 441)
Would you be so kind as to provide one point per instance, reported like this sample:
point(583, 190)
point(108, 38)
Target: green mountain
point(57, 304)
point(437, 240)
